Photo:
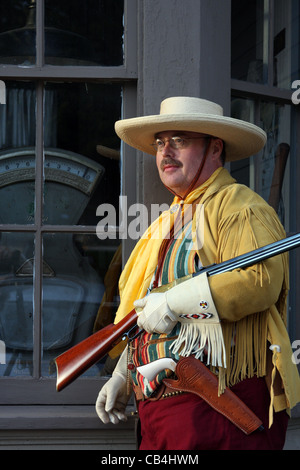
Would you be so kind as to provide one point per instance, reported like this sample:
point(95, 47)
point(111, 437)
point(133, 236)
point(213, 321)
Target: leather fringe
point(246, 340)
point(245, 345)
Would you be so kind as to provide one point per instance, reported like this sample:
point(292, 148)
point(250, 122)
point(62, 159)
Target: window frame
point(127, 71)
point(36, 389)
point(267, 92)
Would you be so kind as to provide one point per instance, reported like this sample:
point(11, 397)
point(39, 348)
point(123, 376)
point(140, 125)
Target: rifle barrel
point(253, 257)
point(73, 362)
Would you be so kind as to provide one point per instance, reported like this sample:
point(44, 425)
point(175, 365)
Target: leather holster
point(194, 377)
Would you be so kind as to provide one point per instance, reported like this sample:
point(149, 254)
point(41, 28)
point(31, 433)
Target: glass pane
point(82, 164)
point(17, 154)
point(249, 45)
point(80, 269)
point(17, 32)
point(16, 300)
point(271, 166)
point(286, 43)
point(268, 172)
point(242, 109)
point(84, 33)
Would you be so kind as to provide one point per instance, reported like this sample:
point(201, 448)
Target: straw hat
point(182, 113)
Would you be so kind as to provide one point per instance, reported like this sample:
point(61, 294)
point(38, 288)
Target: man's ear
point(217, 148)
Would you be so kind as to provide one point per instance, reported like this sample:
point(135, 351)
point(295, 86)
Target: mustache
point(169, 161)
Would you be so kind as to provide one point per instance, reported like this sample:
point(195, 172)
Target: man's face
point(178, 167)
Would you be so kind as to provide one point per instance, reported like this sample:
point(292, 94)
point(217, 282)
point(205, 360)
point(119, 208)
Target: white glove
point(113, 397)
point(155, 317)
point(190, 303)
point(187, 302)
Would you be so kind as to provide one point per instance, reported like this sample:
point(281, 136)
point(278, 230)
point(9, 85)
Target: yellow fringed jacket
point(251, 302)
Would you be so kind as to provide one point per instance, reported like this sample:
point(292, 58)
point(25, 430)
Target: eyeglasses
point(175, 142)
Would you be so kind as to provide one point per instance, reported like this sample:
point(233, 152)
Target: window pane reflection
point(81, 269)
point(82, 165)
point(76, 32)
point(17, 32)
point(268, 172)
point(84, 33)
point(256, 31)
point(272, 164)
point(16, 304)
point(286, 43)
point(248, 36)
point(17, 154)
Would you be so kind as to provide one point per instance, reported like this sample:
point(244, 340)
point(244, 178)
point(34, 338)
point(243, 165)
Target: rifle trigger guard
point(131, 338)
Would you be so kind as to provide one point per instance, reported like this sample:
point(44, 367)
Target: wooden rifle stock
point(76, 360)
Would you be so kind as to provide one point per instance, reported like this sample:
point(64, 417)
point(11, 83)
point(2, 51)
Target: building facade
point(69, 189)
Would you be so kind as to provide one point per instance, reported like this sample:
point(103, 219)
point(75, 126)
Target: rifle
point(79, 358)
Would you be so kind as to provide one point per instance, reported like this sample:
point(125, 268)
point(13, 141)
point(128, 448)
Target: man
point(228, 321)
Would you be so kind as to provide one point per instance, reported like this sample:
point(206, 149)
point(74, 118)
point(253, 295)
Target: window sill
point(66, 427)
point(57, 417)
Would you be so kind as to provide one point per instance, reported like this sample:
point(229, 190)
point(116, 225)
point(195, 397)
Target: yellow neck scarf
point(140, 267)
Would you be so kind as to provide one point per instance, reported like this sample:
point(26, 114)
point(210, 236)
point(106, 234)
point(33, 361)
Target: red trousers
point(186, 422)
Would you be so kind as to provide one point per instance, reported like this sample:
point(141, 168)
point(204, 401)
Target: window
point(68, 72)
point(268, 173)
point(74, 33)
point(265, 42)
point(265, 61)
point(265, 52)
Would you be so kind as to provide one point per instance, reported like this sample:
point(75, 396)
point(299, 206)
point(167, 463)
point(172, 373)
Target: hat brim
point(242, 139)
